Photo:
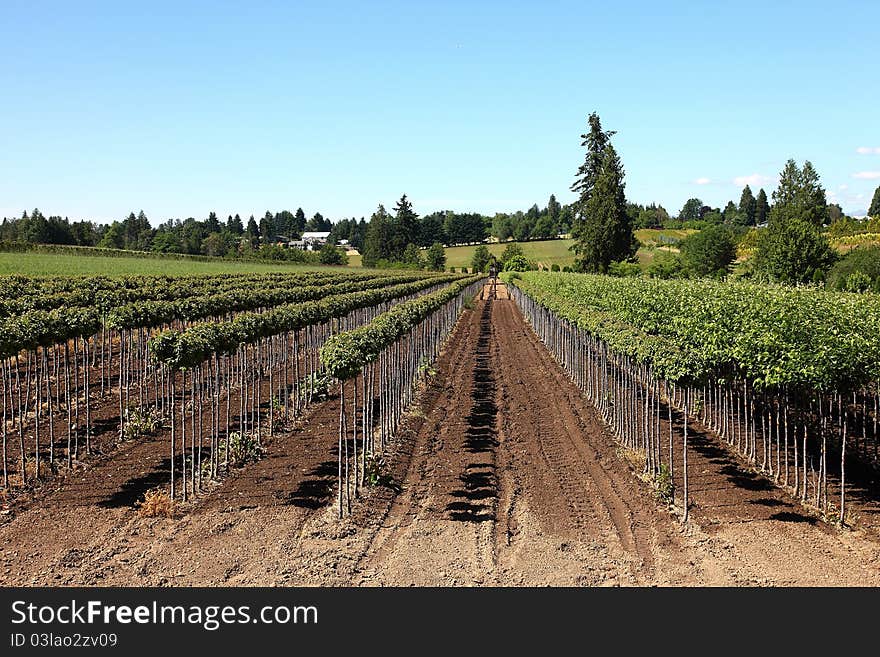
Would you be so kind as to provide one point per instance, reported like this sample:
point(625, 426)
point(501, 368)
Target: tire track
point(422, 470)
point(567, 449)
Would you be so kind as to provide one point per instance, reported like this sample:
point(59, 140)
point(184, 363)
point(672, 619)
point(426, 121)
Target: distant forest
point(386, 236)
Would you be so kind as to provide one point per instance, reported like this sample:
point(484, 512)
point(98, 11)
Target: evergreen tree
point(762, 208)
point(300, 224)
point(554, 209)
point(595, 141)
point(792, 249)
point(874, 209)
point(267, 227)
point(405, 228)
point(253, 231)
point(376, 240)
point(234, 225)
point(748, 206)
point(212, 224)
point(799, 195)
point(605, 231)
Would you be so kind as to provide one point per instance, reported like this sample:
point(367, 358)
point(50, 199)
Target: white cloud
point(843, 187)
point(868, 150)
point(702, 181)
point(867, 175)
point(754, 180)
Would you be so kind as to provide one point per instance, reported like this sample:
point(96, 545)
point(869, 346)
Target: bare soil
point(503, 474)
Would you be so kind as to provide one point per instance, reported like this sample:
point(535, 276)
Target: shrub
point(858, 271)
point(156, 504)
point(709, 252)
point(554, 267)
point(624, 269)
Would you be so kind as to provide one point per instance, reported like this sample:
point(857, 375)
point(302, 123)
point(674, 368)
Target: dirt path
point(504, 475)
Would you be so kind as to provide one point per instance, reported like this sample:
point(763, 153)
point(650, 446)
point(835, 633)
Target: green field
point(50, 264)
point(550, 252)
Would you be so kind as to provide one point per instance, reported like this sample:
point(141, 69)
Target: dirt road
point(503, 474)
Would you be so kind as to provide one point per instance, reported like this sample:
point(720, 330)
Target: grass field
point(50, 264)
point(550, 252)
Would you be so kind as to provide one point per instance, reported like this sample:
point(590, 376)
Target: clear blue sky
point(180, 108)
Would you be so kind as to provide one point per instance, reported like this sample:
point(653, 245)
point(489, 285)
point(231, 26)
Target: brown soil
point(506, 477)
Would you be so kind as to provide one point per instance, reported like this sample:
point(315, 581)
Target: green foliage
point(748, 206)
point(858, 271)
point(709, 252)
point(330, 254)
point(317, 385)
point(799, 196)
point(512, 250)
point(554, 267)
point(412, 256)
point(692, 210)
point(480, 260)
point(345, 354)
point(201, 341)
point(624, 269)
point(874, 208)
point(141, 422)
point(664, 483)
point(665, 265)
point(519, 263)
point(772, 336)
point(603, 230)
point(243, 449)
point(436, 257)
point(793, 252)
point(376, 473)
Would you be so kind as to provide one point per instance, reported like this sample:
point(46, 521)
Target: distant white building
point(312, 240)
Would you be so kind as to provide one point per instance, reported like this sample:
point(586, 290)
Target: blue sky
point(181, 108)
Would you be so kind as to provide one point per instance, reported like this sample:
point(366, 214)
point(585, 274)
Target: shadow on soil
point(478, 490)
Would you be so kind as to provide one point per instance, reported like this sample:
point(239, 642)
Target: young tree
point(436, 257)
point(762, 208)
point(874, 209)
point(748, 205)
point(412, 255)
point(605, 232)
point(709, 252)
point(480, 259)
point(512, 250)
